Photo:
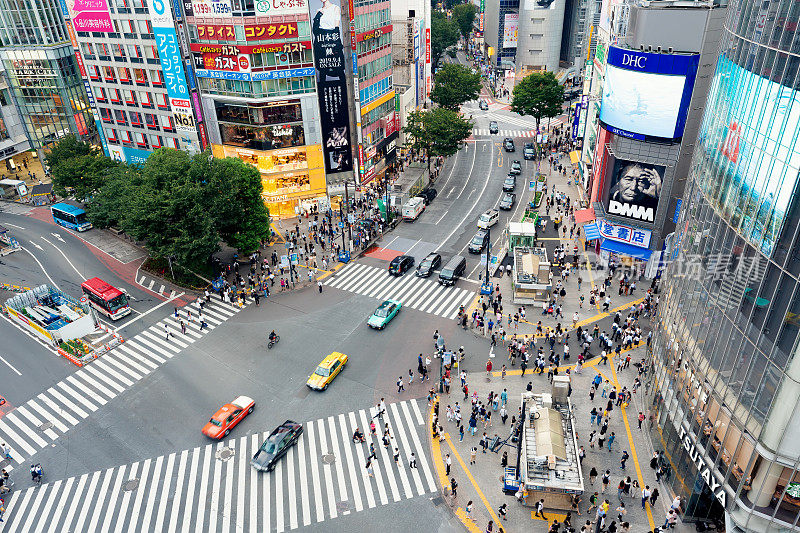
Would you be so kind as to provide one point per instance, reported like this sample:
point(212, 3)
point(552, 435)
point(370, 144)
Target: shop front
point(293, 179)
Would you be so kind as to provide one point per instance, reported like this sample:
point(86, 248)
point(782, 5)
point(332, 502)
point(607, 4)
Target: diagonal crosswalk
point(422, 294)
point(45, 418)
point(214, 488)
point(504, 133)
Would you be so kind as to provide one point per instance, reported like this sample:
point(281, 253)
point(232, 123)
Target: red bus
point(109, 300)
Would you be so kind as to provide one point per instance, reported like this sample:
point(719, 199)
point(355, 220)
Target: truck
point(413, 208)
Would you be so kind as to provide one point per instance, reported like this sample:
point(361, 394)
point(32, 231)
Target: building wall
point(539, 40)
point(727, 379)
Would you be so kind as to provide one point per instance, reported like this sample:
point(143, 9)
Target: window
point(114, 93)
point(155, 141)
point(111, 135)
point(150, 52)
point(105, 113)
point(161, 101)
point(140, 76)
point(141, 140)
point(120, 117)
point(166, 123)
point(157, 77)
point(151, 121)
point(145, 99)
point(134, 51)
point(94, 72)
point(130, 97)
point(100, 94)
point(126, 137)
point(119, 51)
point(128, 26)
point(136, 118)
point(124, 75)
point(108, 74)
point(145, 28)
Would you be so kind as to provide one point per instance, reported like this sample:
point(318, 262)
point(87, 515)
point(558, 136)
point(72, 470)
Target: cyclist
point(273, 336)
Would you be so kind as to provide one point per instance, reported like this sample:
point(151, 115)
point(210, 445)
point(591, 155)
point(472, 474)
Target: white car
point(489, 218)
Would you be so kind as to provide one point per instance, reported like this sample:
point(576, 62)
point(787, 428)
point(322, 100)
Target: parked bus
point(70, 217)
point(109, 300)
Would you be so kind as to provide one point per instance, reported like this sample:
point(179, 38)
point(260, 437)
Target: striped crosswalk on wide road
point(422, 294)
point(45, 418)
point(214, 488)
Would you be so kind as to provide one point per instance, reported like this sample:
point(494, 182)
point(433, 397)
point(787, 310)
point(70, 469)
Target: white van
point(413, 208)
point(489, 218)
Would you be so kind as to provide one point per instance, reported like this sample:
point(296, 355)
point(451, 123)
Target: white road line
point(80, 275)
point(35, 421)
point(241, 458)
point(361, 462)
point(152, 282)
point(339, 470)
point(63, 399)
point(42, 267)
point(10, 366)
point(112, 499)
point(420, 453)
point(306, 503)
point(312, 453)
point(397, 426)
point(215, 484)
point(165, 500)
point(18, 513)
point(126, 501)
point(226, 505)
point(12, 436)
point(165, 302)
point(203, 490)
point(266, 524)
point(51, 491)
point(49, 416)
point(291, 489)
point(404, 452)
point(72, 508)
point(254, 490)
point(376, 466)
point(59, 510)
point(279, 515)
point(387, 463)
point(350, 465)
point(152, 491)
point(88, 501)
point(133, 523)
point(327, 470)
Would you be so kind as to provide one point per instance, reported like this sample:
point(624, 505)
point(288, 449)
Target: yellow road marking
point(469, 523)
point(556, 516)
point(329, 272)
point(283, 239)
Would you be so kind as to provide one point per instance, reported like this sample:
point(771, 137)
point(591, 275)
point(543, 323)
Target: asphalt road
point(137, 457)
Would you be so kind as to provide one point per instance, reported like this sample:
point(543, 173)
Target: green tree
point(464, 15)
point(112, 201)
point(438, 131)
point(538, 95)
point(234, 189)
point(455, 84)
point(77, 167)
point(444, 34)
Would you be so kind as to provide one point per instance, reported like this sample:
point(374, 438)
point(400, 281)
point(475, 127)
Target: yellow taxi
point(327, 370)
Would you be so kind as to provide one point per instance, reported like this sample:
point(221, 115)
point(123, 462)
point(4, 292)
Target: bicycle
point(273, 342)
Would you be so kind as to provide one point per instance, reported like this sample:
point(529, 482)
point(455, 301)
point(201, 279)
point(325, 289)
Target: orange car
point(227, 417)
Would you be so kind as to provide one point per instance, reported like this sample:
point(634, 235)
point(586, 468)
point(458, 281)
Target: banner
point(172, 66)
point(90, 15)
point(216, 32)
point(213, 61)
point(331, 85)
point(262, 32)
point(635, 189)
point(212, 8)
point(510, 29)
point(281, 7)
point(236, 49)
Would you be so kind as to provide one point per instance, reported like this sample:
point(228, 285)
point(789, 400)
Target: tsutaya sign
point(702, 467)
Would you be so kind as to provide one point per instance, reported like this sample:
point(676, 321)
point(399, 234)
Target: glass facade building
point(42, 71)
point(726, 379)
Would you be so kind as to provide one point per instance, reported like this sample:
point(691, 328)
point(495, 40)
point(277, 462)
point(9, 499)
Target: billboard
point(263, 32)
point(90, 15)
point(326, 16)
point(510, 28)
point(212, 8)
point(647, 94)
point(531, 5)
point(281, 7)
point(216, 61)
point(634, 190)
point(169, 55)
point(627, 234)
point(751, 143)
point(237, 49)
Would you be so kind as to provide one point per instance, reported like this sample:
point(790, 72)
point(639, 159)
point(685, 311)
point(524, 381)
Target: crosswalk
point(151, 284)
point(45, 418)
point(422, 294)
point(214, 488)
point(504, 133)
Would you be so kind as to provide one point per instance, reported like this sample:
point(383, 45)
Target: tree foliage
point(464, 15)
point(538, 95)
point(444, 34)
point(180, 206)
point(76, 167)
point(455, 84)
point(437, 132)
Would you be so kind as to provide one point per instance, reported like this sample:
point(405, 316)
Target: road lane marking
point(10, 366)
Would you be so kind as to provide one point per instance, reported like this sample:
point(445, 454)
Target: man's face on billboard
point(638, 182)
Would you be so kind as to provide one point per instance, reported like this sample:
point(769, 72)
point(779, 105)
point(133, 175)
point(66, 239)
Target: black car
point(516, 168)
point(508, 144)
point(400, 264)
point(277, 444)
point(507, 201)
point(529, 151)
point(510, 184)
point(428, 265)
point(483, 105)
point(479, 242)
point(428, 194)
point(493, 127)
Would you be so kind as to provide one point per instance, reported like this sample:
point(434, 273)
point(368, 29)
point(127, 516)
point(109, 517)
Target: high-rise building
point(725, 391)
point(409, 57)
point(42, 73)
point(131, 61)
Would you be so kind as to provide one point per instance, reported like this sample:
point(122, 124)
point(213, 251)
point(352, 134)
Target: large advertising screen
point(326, 18)
point(634, 190)
point(647, 94)
point(510, 29)
point(751, 140)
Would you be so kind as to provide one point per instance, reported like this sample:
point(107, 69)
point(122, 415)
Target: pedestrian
point(410, 376)
point(183, 327)
point(167, 332)
point(645, 495)
point(369, 467)
point(447, 463)
point(460, 432)
point(611, 441)
point(540, 509)
point(504, 460)
point(412, 460)
point(502, 511)
point(640, 419)
point(319, 284)
point(653, 496)
point(624, 458)
point(592, 475)
point(621, 511)
point(372, 454)
point(606, 480)
point(473, 454)
point(397, 456)
point(400, 387)
point(468, 510)
point(490, 527)
point(453, 487)
point(581, 454)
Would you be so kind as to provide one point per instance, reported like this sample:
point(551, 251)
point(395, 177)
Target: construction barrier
point(13, 288)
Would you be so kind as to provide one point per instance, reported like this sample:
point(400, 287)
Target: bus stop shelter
point(10, 188)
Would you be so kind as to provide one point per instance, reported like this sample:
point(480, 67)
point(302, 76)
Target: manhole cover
point(45, 426)
point(131, 484)
point(437, 501)
point(328, 458)
point(342, 506)
point(225, 454)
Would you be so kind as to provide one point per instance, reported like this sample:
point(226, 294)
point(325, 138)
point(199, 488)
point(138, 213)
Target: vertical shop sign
point(172, 66)
point(427, 61)
point(331, 85)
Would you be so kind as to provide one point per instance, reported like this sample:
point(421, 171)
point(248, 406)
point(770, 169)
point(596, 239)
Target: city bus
point(70, 217)
point(109, 300)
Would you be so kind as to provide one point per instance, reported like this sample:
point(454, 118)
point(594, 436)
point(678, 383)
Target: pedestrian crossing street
point(213, 487)
point(422, 294)
point(45, 418)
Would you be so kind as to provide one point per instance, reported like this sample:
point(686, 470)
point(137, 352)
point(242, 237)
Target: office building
point(409, 54)
point(725, 390)
point(130, 60)
point(643, 101)
point(42, 74)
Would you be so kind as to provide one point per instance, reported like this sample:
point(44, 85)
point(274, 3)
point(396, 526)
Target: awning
point(591, 231)
point(574, 156)
point(625, 249)
point(11, 182)
point(584, 215)
point(42, 190)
